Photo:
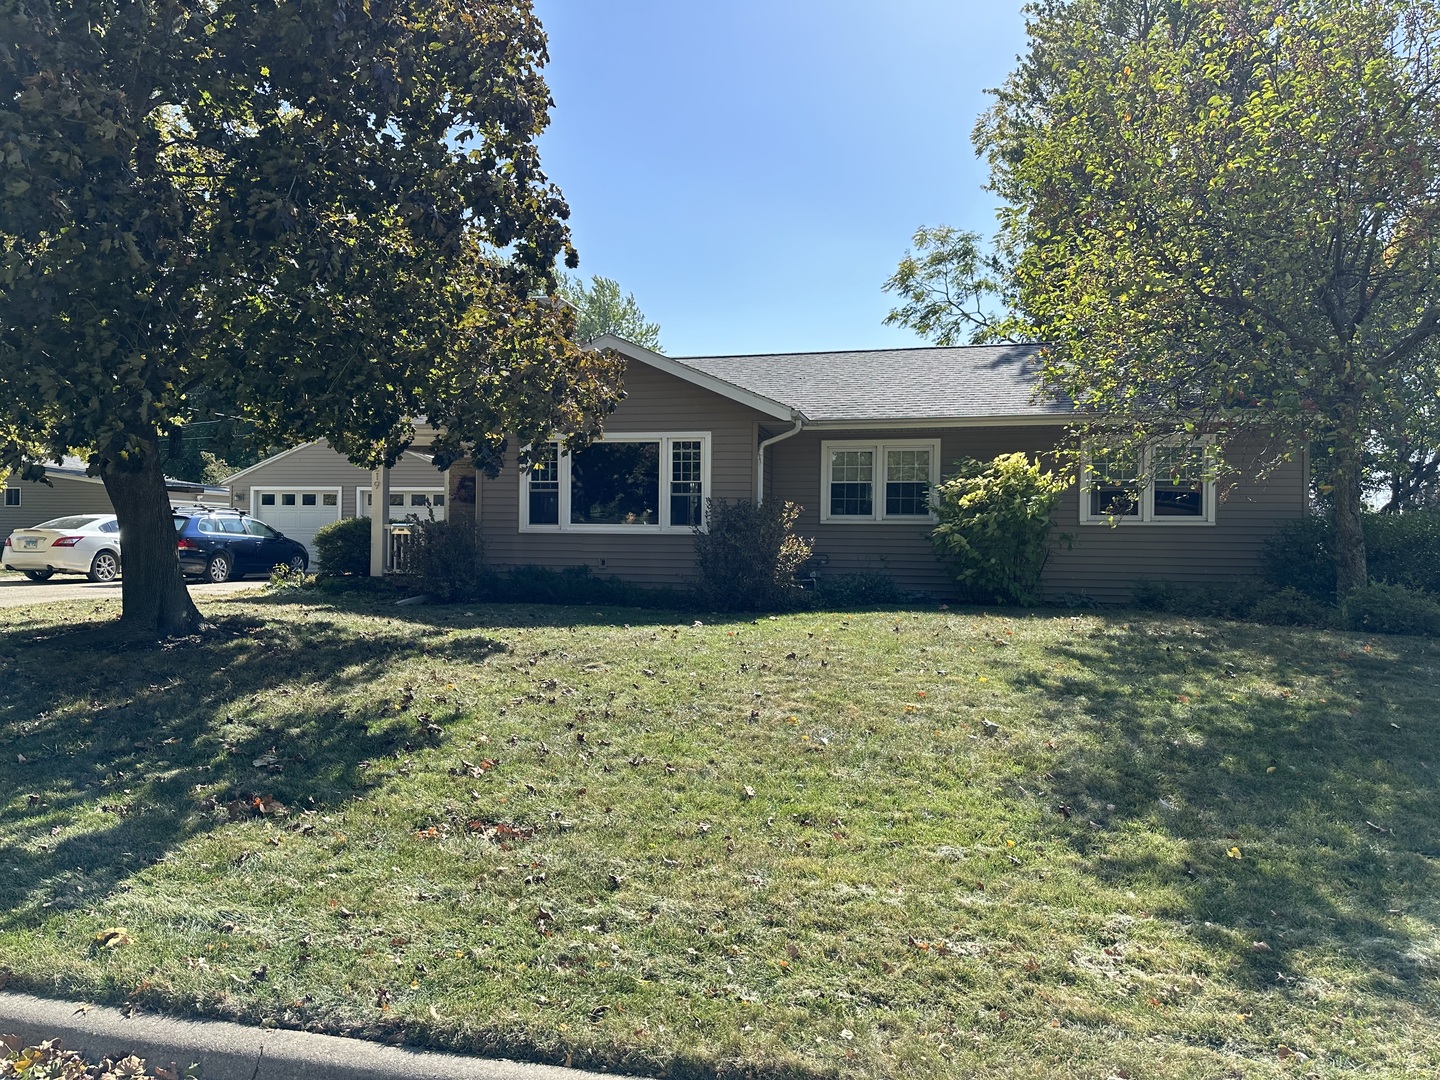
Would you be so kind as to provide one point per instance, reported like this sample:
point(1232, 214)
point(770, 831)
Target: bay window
point(622, 483)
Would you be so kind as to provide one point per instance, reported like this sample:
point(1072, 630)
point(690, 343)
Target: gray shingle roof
point(933, 383)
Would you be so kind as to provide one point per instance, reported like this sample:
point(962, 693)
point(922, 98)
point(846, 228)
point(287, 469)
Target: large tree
point(601, 308)
point(326, 213)
point(1228, 214)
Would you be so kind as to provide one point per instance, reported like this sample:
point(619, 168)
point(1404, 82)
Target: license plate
point(31, 542)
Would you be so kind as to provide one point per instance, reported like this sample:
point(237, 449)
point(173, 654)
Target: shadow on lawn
point(103, 742)
point(1311, 755)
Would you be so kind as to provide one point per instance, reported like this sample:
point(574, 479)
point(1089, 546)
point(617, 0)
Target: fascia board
point(759, 402)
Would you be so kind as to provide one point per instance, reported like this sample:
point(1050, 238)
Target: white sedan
point(86, 544)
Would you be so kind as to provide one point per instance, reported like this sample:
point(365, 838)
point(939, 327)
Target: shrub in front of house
point(343, 547)
point(1291, 607)
point(1390, 609)
point(1400, 549)
point(994, 526)
point(445, 559)
point(1201, 600)
point(868, 590)
point(748, 555)
point(580, 585)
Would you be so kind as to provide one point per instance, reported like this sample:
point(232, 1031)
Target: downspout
point(799, 420)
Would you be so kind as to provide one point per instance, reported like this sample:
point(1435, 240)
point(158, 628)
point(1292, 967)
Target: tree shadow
point(1289, 776)
point(114, 753)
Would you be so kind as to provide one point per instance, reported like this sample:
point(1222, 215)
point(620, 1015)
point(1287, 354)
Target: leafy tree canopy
point(600, 308)
point(328, 215)
point(1228, 215)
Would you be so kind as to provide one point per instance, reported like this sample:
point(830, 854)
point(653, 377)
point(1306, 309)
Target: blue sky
point(752, 170)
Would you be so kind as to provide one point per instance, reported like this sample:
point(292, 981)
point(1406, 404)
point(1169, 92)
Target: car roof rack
point(202, 508)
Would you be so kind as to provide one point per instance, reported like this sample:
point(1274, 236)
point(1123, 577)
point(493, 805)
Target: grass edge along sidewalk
point(226, 1051)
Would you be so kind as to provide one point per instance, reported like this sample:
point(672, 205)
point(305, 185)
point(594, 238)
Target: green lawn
point(922, 843)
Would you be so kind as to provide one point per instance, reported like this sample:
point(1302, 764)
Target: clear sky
point(752, 170)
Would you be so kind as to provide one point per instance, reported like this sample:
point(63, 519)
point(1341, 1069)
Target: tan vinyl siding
point(317, 466)
point(39, 502)
point(655, 403)
point(1104, 562)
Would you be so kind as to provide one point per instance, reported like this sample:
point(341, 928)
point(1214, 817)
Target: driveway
point(16, 590)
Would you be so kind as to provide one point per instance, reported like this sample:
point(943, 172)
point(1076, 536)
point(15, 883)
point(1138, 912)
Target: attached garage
point(297, 512)
point(301, 490)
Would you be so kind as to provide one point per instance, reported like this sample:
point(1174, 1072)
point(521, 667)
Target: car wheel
point(39, 575)
point(217, 569)
point(297, 563)
point(104, 567)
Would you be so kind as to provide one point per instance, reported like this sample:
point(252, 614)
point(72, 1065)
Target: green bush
point(748, 556)
point(1291, 607)
point(445, 560)
point(1391, 609)
point(1401, 549)
point(579, 585)
point(1404, 549)
point(995, 526)
point(343, 547)
point(855, 590)
point(1208, 600)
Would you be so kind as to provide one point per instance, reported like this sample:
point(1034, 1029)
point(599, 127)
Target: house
point(302, 489)
point(856, 439)
point(70, 491)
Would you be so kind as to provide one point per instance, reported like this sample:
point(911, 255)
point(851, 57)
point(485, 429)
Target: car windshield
point(76, 522)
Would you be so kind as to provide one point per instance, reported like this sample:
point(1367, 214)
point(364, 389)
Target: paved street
point(16, 589)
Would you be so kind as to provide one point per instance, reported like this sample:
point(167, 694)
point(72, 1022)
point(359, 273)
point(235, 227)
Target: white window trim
point(877, 515)
point(1146, 490)
point(663, 527)
point(361, 493)
point(258, 511)
point(19, 497)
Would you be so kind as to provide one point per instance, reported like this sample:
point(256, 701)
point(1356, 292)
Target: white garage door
point(297, 513)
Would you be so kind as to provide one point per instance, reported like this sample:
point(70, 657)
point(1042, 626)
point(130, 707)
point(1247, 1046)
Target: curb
point(227, 1051)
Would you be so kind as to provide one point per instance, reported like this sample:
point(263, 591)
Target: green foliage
point(860, 590)
point(1210, 600)
point(580, 585)
point(1391, 609)
point(343, 547)
point(1291, 607)
point(602, 309)
point(286, 577)
point(446, 561)
point(1403, 549)
point(335, 215)
point(1227, 286)
point(995, 525)
point(948, 288)
point(748, 555)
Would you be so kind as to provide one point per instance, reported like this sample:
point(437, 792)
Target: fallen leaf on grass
point(1233, 853)
point(113, 937)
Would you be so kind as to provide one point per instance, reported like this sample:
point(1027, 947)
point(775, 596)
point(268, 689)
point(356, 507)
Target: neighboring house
point(856, 439)
point(300, 490)
point(70, 491)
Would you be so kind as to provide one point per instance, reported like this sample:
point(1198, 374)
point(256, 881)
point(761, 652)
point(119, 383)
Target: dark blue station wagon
point(220, 545)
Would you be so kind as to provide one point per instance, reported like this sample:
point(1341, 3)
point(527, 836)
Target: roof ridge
point(836, 352)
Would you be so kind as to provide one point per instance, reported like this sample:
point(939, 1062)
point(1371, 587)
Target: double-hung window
point(1168, 483)
point(622, 483)
point(880, 481)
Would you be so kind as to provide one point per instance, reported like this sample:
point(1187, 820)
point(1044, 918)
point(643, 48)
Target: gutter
point(799, 421)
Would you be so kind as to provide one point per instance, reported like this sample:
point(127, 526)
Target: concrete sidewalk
point(233, 1052)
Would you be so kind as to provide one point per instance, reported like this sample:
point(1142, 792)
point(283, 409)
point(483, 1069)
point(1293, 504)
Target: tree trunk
point(1350, 569)
point(152, 592)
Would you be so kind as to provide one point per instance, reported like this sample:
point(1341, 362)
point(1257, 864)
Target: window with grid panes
point(903, 471)
point(619, 483)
